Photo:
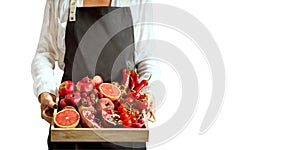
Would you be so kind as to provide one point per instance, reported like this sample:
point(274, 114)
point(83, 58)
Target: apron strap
point(72, 13)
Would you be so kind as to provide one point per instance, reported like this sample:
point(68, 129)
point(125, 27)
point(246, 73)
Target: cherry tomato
point(136, 112)
point(141, 121)
point(133, 119)
point(124, 116)
point(127, 123)
point(137, 125)
point(122, 108)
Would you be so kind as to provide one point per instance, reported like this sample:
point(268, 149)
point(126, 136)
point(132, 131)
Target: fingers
point(47, 99)
point(47, 105)
point(45, 113)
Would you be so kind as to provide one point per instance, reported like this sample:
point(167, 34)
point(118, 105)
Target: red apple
point(72, 99)
point(62, 104)
point(66, 87)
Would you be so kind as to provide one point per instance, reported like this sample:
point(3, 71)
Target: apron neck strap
point(72, 13)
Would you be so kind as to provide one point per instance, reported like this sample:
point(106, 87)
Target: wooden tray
point(98, 134)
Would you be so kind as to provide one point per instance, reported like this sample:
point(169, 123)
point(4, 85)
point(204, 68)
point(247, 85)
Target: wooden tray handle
point(151, 116)
point(49, 116)
point(46, 115)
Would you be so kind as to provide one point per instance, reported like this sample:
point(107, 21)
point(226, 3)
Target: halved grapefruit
point(67, 118)
point(110, 91)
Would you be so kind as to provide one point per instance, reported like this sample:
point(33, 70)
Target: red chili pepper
point(140, 86)
point(126, 76)
point(135, 95)
point(132, 73)
point(142, 96)
point(136, 78)
point(131, 84)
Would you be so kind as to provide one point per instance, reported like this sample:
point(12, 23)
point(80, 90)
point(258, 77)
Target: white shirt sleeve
point(144, 36)
point(43, 63)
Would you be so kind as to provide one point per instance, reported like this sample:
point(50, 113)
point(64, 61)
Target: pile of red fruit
point(106, 104)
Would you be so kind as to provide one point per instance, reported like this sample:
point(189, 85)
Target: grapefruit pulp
point(110, 91)
point(67, 118)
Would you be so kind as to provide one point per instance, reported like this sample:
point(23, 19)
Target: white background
point(259, 41)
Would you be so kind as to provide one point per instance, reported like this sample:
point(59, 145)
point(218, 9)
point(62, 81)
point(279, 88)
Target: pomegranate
point(87, 115)
point(97, 80)
point(104, 103)
point(84, 85)
point(108, 119)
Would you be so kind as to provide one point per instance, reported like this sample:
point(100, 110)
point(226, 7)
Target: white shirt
point(51, 46)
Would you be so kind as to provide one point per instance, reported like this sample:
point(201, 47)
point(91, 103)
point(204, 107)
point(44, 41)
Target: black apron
point(119, 48)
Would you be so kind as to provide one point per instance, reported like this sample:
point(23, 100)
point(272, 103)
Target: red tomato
point(127, 123)
point(65, 88)
point(133, 119)
point(136, 112)
point(137, 125)
point(141, 121)
point(122, 108)
point(124, 116)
